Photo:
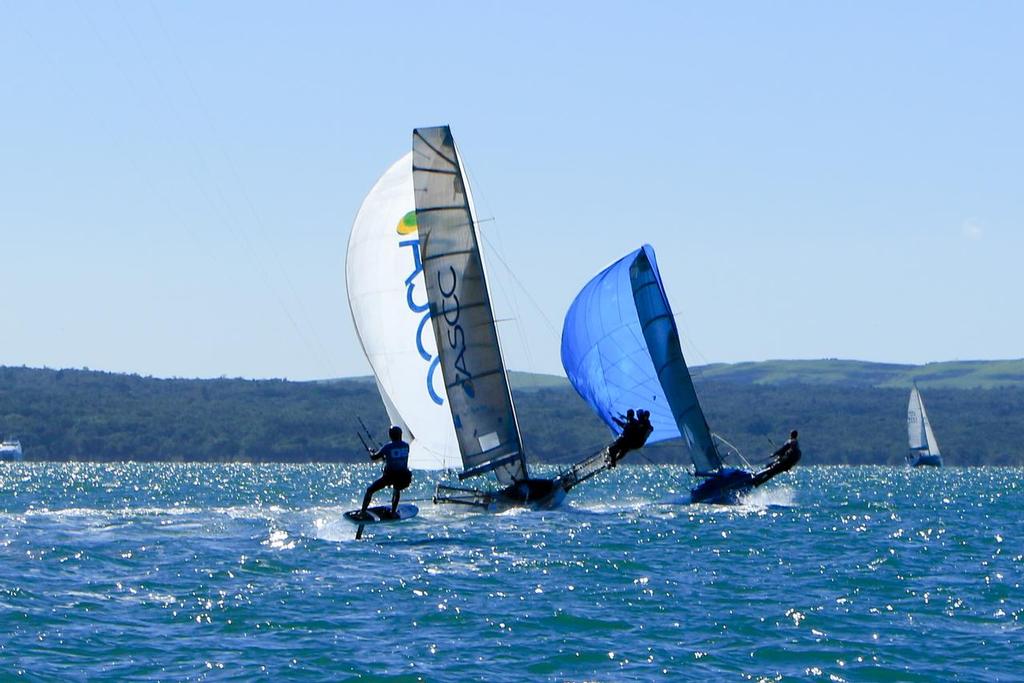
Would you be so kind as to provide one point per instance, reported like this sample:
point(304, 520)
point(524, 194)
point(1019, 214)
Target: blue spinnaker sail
point(620, 350)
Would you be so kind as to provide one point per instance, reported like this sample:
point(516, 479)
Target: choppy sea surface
point(242, 572)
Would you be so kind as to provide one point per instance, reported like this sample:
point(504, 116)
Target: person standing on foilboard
point(396, 469)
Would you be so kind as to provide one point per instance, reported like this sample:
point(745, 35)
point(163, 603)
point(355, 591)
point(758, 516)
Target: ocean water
point(241, 572)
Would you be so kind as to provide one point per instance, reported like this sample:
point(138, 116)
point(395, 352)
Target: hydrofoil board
point(382, 514)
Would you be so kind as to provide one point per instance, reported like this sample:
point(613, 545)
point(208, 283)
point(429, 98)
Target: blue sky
point(818, 179)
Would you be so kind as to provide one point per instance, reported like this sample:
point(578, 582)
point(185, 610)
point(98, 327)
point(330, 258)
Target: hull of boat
point(535, 494)
point(725, 488)
point(731, 484)
point(926, 461)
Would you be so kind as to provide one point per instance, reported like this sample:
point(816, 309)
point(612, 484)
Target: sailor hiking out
point(788, 454)
point(783, 459)
point(635, 430)
point(396, 469)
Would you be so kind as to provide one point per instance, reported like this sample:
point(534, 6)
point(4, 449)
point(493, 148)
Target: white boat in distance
point(10, 450)
point(924, 449)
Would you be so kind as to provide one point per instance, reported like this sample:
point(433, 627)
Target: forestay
point(620, 350)
point(388, 299)
point(463, 320)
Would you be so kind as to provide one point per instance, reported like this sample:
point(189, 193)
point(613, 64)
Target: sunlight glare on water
point(243, 571)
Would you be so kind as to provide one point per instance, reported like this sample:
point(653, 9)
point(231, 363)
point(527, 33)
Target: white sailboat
point(924, 449)
point(10, 449)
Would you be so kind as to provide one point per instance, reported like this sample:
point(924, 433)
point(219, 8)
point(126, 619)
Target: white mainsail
point(388, 299)
point(474, 371)
point(919, 429)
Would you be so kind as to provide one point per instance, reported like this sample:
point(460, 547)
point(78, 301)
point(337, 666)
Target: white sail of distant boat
point(924, 449)
point(10, 449)
point(388, 299)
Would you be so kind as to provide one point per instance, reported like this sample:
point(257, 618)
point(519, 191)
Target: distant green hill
point(946, 375)
point(968, 374)
point(847, 412)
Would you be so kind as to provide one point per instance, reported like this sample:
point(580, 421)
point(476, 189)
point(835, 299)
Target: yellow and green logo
point(407, 225)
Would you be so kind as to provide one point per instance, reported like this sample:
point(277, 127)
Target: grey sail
point(662, 337)
point(461, 314)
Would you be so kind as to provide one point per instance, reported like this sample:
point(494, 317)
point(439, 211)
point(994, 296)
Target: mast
point(462, 317)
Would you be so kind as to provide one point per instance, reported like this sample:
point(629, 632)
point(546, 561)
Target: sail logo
point(407, 226)
point(456, 335)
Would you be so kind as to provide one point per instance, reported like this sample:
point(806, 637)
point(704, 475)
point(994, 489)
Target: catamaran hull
point(926, 461)
point(535, 494)
point(725, 488)
point(730, 485)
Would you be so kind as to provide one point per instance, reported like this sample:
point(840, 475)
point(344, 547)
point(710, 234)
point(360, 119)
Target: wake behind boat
point(620, 349)
point(924, 449)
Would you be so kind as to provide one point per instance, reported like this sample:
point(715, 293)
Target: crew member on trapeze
point(396, 469)
point(635, 430)
point(782, 460)
point(788, 454)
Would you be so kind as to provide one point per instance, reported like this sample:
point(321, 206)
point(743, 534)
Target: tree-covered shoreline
point(88, 415)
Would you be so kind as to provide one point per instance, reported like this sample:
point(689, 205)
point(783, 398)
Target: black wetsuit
point(396, 472)
point(785, 458)
point(788, 454)
point(621, 445)
point(634, 435)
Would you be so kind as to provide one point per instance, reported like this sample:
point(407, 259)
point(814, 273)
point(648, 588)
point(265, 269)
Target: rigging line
point(696, 373)
point(477, 193)
point(517, 318)
point(508, 292)
point(519, 283)
point(103, 125)
point(326, 355)
point(113, 140)
point(221, 210)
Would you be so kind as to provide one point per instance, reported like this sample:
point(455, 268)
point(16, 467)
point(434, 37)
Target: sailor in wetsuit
point(634, 435)
point(396, 469)
point(619, 446)
point(788, 454)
